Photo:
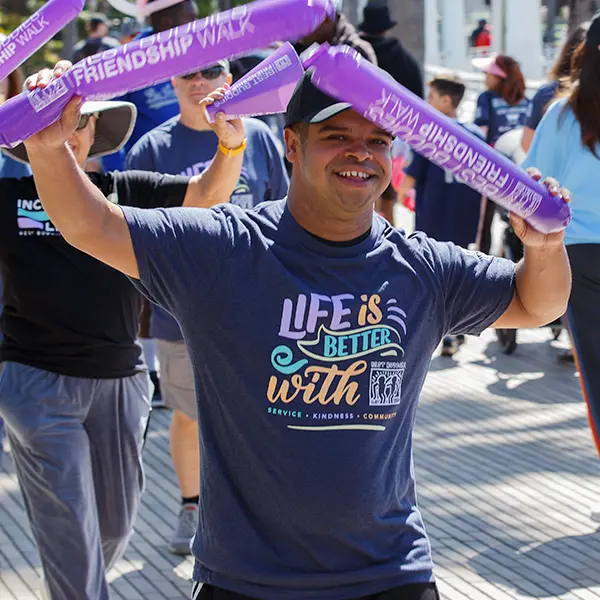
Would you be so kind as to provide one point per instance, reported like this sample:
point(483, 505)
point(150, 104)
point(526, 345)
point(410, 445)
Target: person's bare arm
point(216, 184)
point(527, 138)
point(76, 207)
point(543, 277)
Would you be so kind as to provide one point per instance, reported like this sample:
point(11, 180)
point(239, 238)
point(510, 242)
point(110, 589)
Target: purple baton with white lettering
point(35, 32)
point(157, 58)
point(343, 74)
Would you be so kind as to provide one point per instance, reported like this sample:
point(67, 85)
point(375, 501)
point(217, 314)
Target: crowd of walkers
point(120, 296)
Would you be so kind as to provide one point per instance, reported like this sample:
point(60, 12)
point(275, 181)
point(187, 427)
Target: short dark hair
point(449, 85)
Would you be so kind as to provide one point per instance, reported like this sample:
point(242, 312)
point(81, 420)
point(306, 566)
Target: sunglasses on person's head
point(84, 120)
point(209, 73)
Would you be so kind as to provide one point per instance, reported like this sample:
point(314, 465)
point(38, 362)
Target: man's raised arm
point(79, 210)
point(76, 207)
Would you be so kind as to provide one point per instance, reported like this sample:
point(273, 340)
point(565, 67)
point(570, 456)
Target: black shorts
point(417, 591)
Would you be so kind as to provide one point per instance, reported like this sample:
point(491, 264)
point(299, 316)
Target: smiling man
point(308, 487)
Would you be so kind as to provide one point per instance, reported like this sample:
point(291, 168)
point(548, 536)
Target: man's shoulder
point(255, 128)
point(18, 186)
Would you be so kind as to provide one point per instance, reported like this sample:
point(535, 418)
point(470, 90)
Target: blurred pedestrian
point(558, 81)
point(98, 40)
point(446, 209)
point(500, 108)
point(396, 60)
point(481, 36)
point(566, 144)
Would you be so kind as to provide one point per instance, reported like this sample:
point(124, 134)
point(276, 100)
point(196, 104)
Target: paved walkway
point(507, 474)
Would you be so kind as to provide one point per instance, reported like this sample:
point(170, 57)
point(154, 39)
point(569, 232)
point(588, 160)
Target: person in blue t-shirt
point(445, 208)
point(185, 145)
point(501, 108)
point(157, 103)
point(567, 145)
point(310, 324)
point(559, 72)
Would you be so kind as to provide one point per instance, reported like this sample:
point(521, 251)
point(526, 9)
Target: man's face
point(345, 161)
point(81, 141)
point(191, 89)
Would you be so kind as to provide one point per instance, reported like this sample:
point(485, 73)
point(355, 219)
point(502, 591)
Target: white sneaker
point(595, 514)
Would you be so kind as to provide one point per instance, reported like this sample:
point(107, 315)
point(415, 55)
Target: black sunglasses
point(210, 73)
point(84, 120)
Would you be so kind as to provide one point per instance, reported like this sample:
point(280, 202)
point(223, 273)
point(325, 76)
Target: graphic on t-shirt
point(157, 98)
point(341, 361)
point(33, 220)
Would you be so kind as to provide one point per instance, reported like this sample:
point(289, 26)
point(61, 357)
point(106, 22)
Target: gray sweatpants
point(77, 444)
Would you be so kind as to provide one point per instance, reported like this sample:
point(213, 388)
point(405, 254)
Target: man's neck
point(321, 221)
point(452, 114)
point(194, 120)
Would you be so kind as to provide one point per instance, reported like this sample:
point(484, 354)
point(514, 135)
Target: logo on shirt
point(340, 364)
point(157, 98)
point(33, 220)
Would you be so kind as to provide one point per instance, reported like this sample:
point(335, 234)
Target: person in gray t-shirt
point(185, 145)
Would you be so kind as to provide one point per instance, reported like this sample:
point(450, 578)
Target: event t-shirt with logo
point(64, 311)
point(177, 149)
point(309, 359)
point(495, 113)
point(445, 208)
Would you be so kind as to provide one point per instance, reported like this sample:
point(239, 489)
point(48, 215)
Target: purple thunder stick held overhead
point(265, 90)
point(31, 35)
point(157, 58)
point(343, 74)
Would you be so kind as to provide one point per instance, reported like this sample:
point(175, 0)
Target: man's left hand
point(530, 237)
point(230, 133)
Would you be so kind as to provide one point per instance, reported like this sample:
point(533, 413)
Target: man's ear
point(292, 144)
point(228, 78)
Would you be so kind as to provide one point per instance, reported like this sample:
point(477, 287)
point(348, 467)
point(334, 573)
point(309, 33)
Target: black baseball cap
point(309, 104)
point(592, 39)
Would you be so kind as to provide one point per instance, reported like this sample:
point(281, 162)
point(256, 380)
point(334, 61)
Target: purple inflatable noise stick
point(343, 74)
point(157, 58)
point(35, 32)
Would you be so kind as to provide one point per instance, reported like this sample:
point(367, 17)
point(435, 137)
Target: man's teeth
point(355, 174)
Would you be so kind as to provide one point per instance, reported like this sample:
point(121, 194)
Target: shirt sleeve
point(482, 112)
point(535, 110)
point(150, 190)
point(179, 254)
point(476, 288)
point(546, 152)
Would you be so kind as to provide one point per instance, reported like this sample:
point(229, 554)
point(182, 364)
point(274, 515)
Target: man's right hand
point(56, 135)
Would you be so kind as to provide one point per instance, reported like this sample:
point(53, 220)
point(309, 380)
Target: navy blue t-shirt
point(495, 113)
point(445, 209)
point(176, 149)
point(542, 99)
point(309, 360)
